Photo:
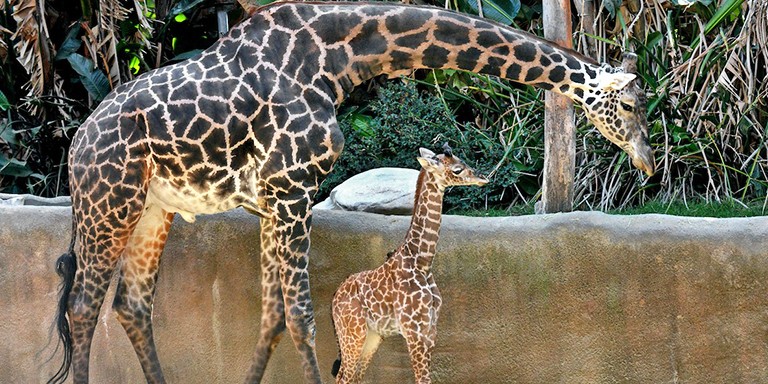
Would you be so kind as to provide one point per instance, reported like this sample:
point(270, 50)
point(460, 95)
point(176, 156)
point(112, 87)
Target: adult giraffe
point(251, 123)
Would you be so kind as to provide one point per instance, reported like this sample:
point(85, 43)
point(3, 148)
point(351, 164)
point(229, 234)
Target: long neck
point(366, 40)
point(420, 242)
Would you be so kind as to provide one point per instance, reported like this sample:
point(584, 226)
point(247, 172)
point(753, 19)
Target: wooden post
point(559, 126)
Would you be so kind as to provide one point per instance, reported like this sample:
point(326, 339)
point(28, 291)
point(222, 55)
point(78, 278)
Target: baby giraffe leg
point(351, 341)
point(372, 342)
point(420, 347)
point(351, 331)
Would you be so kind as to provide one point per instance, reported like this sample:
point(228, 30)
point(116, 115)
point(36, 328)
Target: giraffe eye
point(457, 170)
point(626, 106)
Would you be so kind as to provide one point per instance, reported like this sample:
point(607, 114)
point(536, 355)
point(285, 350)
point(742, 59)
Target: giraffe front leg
point(272, 307)
point(136, 288)
point(292, 230)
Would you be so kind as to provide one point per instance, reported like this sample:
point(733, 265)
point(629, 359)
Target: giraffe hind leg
point(292, 229)
point(136, 287)
point(272, 305)
point(96, 260)
point(371, 344)
point(107, 203)
point(352, 332)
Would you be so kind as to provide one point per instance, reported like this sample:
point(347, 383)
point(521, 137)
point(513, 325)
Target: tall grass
point(704, 68)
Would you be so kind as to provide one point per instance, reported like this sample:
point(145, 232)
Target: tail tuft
point(336, 367)
point(66, 266)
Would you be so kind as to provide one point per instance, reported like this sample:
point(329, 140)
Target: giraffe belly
point(188, 203)
point(385, 324)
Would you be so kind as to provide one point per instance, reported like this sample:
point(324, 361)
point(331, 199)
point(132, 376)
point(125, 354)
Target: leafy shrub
point(389, 132)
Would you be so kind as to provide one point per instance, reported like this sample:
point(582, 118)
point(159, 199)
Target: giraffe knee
point(128, 312)
point(301, 323)
point(82, 311)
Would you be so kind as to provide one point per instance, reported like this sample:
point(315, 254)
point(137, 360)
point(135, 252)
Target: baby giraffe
point(400, 296)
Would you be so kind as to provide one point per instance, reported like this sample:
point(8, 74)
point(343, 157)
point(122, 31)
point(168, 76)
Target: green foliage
point(390, 130)
point(401, 122)
point(703, 63)
point(502, 11)
point(94, 80)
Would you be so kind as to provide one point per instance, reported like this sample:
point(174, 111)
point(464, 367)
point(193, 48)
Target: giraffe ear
point(428, 159)
point(615, 81)
point(428, 162)
point(423, 152)
point(629, 62)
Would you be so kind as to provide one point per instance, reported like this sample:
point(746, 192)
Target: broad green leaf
point(8, 135)
point(502, 11)
point(186, 55)
point(134, 65)
point(4, 103)
point(182, 6)
point(71, 43)
point(722, 14)
point(13, 167)
point(93, 79)
point(362, 125)
point(180, 18)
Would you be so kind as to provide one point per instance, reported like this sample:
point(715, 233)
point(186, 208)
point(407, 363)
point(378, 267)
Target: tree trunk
point(559, 127)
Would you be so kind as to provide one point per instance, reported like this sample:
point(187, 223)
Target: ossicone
point(629, 62)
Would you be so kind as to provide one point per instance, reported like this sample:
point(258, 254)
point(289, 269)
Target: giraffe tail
point(336, 367)
point(337, 363)
point(66, 266)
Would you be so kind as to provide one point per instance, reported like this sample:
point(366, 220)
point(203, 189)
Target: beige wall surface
point(566, 298)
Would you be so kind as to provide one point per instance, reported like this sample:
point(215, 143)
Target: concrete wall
point(565, 298)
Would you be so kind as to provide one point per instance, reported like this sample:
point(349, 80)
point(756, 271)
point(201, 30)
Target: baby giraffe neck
point(420, 242)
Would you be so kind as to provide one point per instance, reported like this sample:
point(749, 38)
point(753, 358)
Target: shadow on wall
point(578, 297)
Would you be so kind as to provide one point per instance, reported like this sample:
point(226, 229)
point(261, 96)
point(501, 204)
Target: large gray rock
point(387, 191)
point(12, 199)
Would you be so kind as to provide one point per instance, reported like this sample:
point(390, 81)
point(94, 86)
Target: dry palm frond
point(32, 48)
point(251, 5)
point(741, 76)
point(3, 45)
point(141, 10)
point(111, 13)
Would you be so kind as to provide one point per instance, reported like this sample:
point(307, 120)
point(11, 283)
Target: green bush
point(391, 129)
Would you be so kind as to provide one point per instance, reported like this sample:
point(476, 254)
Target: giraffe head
point(447, 169)
point(617, 108)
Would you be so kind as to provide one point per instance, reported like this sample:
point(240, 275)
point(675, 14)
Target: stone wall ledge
point(582, 297)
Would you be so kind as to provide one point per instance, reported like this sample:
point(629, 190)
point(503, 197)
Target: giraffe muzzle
point(645, 161)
